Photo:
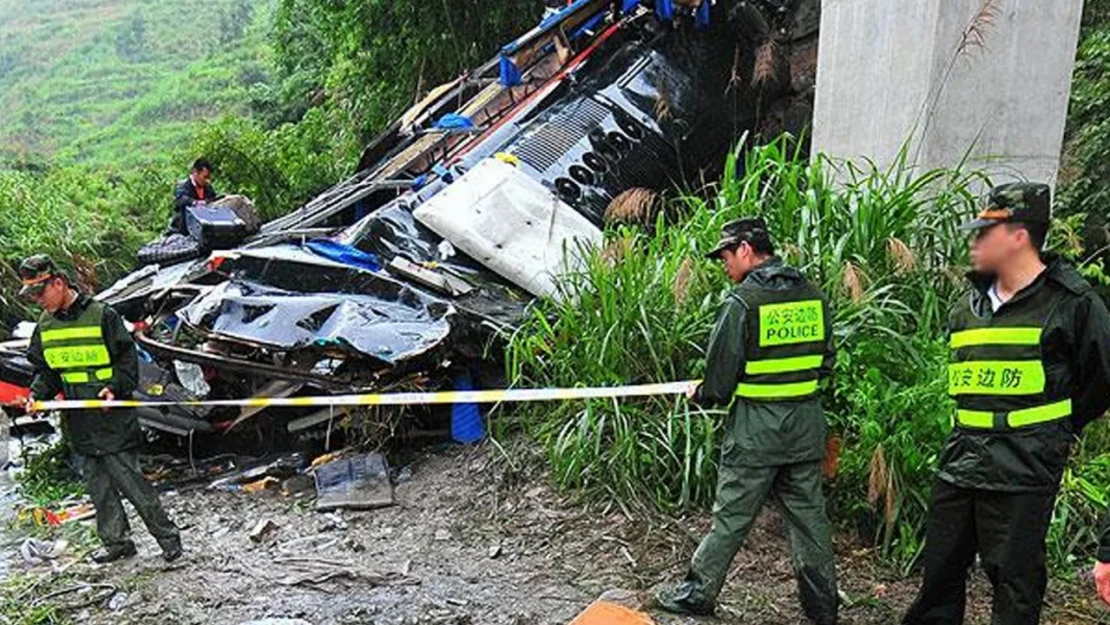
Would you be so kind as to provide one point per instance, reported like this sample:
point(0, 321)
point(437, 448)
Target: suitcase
point(214, 227)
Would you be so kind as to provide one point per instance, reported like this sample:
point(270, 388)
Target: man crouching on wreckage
point(82, 350)
point(772, 344)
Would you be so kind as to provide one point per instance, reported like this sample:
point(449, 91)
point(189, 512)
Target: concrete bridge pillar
point(947, 78)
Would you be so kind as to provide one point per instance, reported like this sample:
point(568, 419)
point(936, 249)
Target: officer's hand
point(106, 394)
point(1102, 580)
point(29, 405)
point(692, 390)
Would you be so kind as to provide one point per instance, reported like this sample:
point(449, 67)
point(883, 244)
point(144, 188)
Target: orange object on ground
point(265, 483)
point(605, 613)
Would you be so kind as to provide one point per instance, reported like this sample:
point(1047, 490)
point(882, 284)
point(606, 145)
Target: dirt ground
point(467, 543)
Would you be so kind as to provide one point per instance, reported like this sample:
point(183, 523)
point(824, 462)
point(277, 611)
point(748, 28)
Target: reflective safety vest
point(785, 337)
point(997, 375)
point(76, 350)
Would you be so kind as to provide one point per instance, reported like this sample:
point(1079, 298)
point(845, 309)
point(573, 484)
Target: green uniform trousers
point(741, 493)
point(111, 476)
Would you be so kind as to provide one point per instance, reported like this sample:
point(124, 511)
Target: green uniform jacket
point(760, 433)
point(95, 432)
point(1075, 350)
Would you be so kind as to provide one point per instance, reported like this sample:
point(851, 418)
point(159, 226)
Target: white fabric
point(996, 299)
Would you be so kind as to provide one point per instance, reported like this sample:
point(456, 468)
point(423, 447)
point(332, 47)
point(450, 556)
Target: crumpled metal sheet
point(392, 327)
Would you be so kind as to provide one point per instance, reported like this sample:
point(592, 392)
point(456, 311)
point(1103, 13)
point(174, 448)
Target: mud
point(468, 542)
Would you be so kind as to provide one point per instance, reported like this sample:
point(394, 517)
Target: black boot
point(119, 551)
point(685, 599)
point(171, 549)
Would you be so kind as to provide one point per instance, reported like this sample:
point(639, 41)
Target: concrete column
point(947, 78)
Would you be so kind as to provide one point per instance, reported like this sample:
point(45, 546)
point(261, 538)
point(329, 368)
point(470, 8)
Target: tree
point(368, 59)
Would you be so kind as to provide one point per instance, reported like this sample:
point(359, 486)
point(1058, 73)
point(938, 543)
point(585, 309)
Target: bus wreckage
point(465, 210)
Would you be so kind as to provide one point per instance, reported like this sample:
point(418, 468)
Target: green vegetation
point(883, 245)
point(121, 83)
point(48, 478)
point(1085, 174)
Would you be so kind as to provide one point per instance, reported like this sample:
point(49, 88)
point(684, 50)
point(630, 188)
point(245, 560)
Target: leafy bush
point(279, 168)
point(90, 224)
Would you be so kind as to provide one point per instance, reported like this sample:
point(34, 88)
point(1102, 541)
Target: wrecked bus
point(469, 206)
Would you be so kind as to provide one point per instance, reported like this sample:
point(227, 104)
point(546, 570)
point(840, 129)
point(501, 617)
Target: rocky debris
point(332, 521)
point(387, 569)
point(262, 529)
point(35, 551)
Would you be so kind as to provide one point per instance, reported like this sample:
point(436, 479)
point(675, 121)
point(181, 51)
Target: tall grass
point(882, 243)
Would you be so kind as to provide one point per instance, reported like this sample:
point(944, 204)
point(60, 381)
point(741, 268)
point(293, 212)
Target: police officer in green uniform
point(1030, 367)
point(771, 345)
point(82, 350)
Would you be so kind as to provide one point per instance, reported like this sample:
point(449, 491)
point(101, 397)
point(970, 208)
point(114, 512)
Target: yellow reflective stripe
point(782, 365)
point(792, 322)
point(1019, 418)
point(776, 391)
point(69, 334)
point(996, 377)
point(1040, 414)
point(104, 374)
point(76, 377)
point(996, 336)
point(77, 357)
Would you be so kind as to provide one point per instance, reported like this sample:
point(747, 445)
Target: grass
point(884, 247)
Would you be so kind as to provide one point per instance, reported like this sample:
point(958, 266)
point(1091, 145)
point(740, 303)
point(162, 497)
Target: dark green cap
point(736, 232)
point(1022, 202)
point(35, 272)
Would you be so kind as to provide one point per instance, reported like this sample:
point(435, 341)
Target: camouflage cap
point(736, 232)
point(1022, 202)
point(35, 272)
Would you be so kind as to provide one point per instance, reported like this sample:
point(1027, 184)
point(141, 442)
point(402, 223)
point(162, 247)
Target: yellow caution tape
point(392, 399)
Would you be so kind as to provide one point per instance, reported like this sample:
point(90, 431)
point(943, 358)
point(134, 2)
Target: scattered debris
point(118, 601)
point(495, 551)
point(311, 543)
point(85, 595)
point(35, 551)
point(359, 482)
point(443, 535)
point(262, 529)
point(284, 466)
point(333, 521)
point(67, 512)
point(298, 485)
point(277, 621)
point(191, 376)
point(315, 571)
point(265, 483)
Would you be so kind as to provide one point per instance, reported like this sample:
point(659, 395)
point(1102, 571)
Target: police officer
point(771, 345)
point(82, 349)
point(1030, 368)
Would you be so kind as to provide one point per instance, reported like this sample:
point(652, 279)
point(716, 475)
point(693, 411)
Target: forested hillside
point(121, 82)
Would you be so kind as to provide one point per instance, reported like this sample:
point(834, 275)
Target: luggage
point(244, 208)
point(170, 249)
point(215, 226)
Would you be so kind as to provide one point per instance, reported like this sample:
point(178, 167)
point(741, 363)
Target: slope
point(122, 81)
